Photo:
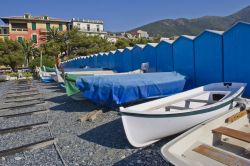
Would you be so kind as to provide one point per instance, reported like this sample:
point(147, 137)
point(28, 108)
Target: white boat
point(79, 96)
point(149, 122)
point(4, 77)
point(223, 140)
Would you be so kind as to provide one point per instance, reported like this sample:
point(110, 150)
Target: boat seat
point(167, 108)
point(200, 101)
point(240, 135)
point(219, 155)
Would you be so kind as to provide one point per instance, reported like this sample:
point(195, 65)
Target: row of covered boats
point(214, 118)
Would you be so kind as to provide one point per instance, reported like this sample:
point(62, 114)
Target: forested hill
point(176, 27)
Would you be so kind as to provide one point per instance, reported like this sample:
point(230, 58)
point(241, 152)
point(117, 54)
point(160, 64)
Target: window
point(26, 15)
point(33, 26)
point(98, 28)
point(5, 31)
point(19, 27)
point(88, 27)
point(20, 39)
point(34, 38)
point(45, 17)
point(60, 27)
point(48, 26)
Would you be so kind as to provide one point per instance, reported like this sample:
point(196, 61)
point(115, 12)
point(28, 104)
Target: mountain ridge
point(185, 26)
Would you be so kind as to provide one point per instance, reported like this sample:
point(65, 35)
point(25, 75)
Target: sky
point(122, 15)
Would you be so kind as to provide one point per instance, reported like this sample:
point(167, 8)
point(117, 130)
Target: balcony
point(43, 31)
point(93, 30)
point(20, 29)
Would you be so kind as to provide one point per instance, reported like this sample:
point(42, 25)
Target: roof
point(129, 48)
point(153, 44)
point(87, 21)
point(167, 41)
point(140, 45)
point(214, 31)
point(4, 26)
point(189, 37)
point(120, 50)
point(32, 18)
point(237, 24)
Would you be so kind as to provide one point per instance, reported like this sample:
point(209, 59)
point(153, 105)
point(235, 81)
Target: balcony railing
point(19, 29)
point(43, 31)
point(91, 30)
point(4, 34)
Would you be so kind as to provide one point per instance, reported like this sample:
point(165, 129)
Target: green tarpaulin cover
point(48, 69)
point(70, 80)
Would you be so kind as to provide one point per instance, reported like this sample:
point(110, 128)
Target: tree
point(47, 61)
point(11, 54)
point(122, 43)
point(29, 50)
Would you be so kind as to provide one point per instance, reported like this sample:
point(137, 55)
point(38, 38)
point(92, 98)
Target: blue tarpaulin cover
point(123, 88)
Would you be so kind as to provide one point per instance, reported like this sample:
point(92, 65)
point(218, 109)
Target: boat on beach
point(70, 81)
point(221, 141)
point(149, 122)
point(4, 77)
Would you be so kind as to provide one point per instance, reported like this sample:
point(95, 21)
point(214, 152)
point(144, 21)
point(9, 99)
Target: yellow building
point(4, 32)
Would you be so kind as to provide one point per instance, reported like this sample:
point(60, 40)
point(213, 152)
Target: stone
point(18, 158)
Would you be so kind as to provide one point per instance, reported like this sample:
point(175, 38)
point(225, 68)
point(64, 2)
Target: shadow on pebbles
point(101, 142)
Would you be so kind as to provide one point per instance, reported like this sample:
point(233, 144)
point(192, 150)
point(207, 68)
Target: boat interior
point(188, 100)
point(225, 141)
point(200, 100)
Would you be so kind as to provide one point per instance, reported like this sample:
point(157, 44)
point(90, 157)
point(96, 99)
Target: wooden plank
point(24, 91)
point(167, 108)
point(23, 100)
point(20, 96)
point(201, 101)
point(94, 115)
point(220, 156)
point(28, 147)
point(91, 116)
point(237, 116)
point(22, 105)
point(240, 135)
point(24, 127)
point(25, 113)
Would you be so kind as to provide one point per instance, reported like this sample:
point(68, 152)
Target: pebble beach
point(99, 142)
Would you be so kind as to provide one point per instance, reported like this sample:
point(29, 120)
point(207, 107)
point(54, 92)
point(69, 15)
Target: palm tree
point(54, 34)
point(29, 50)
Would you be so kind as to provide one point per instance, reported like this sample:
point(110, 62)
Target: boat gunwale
point(172, 158)
point(189, 112)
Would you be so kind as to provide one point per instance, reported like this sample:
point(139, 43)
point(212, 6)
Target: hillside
point(172, 27)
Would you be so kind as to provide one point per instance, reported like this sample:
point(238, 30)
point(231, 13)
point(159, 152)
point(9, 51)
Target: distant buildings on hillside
point(36, 28)
point(91, 27)
point(113, 37)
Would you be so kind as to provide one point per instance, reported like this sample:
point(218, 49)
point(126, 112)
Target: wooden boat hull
point(146, 126)
point(4, 77)
point(154, 126)
point(47, 79)
point(183, 149)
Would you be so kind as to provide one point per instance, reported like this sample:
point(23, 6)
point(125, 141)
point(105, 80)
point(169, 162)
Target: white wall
point(83, 26)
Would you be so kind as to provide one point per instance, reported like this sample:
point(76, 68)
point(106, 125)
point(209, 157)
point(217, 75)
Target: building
point(4, 32)
point(90, 27)
point(140, 34)
point(31, 27)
